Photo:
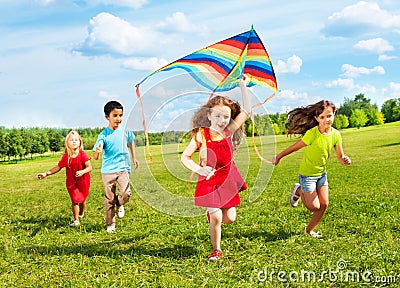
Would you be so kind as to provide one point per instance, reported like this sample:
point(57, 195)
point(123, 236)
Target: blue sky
point(61, 61)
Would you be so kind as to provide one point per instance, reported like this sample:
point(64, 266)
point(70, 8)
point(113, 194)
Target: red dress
point(222, 189)
point(78, 187)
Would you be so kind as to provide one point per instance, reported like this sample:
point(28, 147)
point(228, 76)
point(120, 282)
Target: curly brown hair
point(301, 119)
point(200, 117)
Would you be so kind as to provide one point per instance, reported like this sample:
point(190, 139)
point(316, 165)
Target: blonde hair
point(72, 133)
point(200, 117)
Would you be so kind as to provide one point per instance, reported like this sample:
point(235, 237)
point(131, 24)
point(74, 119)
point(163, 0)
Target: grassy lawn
point(265, 247)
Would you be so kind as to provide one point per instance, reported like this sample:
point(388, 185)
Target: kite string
point(144, 124)
point(253, 128)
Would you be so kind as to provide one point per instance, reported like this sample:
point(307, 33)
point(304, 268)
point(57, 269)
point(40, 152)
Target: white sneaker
point(293, 202)
point(121, 211)
point(75, 223)
point(110, 229)
point(313, 234)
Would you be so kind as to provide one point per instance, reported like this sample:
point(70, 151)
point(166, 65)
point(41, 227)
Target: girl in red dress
point(78, 166)
point(216, 130)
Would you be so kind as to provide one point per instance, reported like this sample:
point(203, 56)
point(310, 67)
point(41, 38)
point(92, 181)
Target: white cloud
point(292, 65)
point(144, 64)
point(352, 71)
point(178, 22)
point(377, 45)
point(107, 95)
point(340, 82)
point(385, 57)
point(111, 34)
point(361, 18)
point(395, 87)
point(124, 3)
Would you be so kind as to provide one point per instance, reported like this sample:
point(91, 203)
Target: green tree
point(391, 110)
point(358, 118)
point(375, 117)
point(341, 121)
point(55, 140)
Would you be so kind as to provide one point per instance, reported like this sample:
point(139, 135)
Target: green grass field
point(265, 247)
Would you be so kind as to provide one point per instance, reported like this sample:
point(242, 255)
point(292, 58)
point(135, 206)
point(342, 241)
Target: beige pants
point(111, 199)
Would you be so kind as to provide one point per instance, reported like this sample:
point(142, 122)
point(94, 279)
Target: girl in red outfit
point(78, 166)
point(216, 130)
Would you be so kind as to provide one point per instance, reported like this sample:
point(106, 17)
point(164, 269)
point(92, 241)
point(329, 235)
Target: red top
point(78, 187)
point(222, 189)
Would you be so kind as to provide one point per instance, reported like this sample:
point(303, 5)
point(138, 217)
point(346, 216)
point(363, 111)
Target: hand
point(206, 171)
point(136, 163)
point(79, 173)
point(346, 160)
point(42, 175)
point(99, 148)
point(275, 160)
point(245, 79)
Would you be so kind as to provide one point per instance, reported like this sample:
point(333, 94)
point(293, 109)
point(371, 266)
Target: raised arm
point(246, 109)
point(296, 146)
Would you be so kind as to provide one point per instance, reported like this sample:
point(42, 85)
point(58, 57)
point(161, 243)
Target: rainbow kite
point(220, 66)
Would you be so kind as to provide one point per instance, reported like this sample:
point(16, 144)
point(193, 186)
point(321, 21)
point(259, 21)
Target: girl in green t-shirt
point(314, 123)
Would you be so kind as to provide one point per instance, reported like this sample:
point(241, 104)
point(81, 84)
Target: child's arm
point(296, 146)
point(187, 160)
point(343, 159)
point(48, 173)
point(246, 110)
point(99, 148)
point(86, 170)
point(132, 148)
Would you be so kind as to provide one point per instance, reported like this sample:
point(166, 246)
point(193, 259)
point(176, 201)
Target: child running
point(114, 140)
point(314, 123)
point(77, 167)
point(216, 130)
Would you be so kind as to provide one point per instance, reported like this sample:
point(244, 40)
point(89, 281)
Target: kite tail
point(144, 124)
point(253, 128)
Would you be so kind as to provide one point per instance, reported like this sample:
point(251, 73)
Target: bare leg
point(75, 211)
point(215, 228)
point(82, 207)
point(317, 202)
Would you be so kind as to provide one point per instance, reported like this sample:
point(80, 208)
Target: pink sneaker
point(215, 255)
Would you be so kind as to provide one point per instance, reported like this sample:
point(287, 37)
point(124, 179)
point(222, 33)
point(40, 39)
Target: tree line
point(21, 143)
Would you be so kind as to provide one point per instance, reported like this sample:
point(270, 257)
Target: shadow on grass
point(37, 224)
point(390, 144)
point(267, 236)
point(105, 249)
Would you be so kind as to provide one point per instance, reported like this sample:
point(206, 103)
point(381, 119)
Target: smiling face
point(219, 117)
point(325, 119)
point(115, 118)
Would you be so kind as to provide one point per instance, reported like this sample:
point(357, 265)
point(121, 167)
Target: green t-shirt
point(317, 151)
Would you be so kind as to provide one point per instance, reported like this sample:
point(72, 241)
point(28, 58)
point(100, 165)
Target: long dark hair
point(301, 119)
point(200, 117)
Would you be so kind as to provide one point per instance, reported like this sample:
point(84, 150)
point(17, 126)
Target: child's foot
point(75, 223)
point(313, 234)
point(294, 198)
point(110, 229)
point(215, 255)
point(81, 216)
point(121, 211)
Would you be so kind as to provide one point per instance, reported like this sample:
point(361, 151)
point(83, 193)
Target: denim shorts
point(310, 183)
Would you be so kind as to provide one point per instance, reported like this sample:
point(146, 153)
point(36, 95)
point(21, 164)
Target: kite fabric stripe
point(227, 61)
point(220, 66)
